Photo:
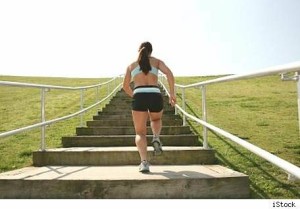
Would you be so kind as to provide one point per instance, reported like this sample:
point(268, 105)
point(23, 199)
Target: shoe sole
point(157, 148)
point(145, 171)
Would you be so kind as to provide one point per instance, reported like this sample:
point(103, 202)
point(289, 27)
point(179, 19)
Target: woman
point(147, 99)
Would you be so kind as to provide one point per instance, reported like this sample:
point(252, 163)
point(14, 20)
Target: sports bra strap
point(138, 70)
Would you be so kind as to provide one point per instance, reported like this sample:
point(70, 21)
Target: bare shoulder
point(156, 62)
point(132, 66)
point(161, 64)
point(163, 67)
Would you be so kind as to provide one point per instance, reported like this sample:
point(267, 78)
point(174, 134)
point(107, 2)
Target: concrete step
point(121, 108)
point(121, 98)
point(128, 111)
point(124, 95)
point(89, 156)
point(128, 116)
point(127, 105)
point(129, 130)
point(124, 182)
point(118, 101)
point(128, 140)
point(128, 122)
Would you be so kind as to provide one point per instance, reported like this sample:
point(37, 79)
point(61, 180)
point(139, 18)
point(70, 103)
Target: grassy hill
point(20, 107)
point(262, 111)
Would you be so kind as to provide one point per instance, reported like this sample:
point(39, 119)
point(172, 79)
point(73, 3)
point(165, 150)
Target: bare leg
point(156, 123)
point(140, 125)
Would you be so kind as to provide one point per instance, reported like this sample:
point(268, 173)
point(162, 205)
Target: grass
point(262, 111)
point(20, 107)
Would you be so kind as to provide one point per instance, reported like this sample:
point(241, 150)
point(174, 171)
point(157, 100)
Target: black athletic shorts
point(147, 98)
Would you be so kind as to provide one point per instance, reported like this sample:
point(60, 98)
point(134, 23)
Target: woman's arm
point(171, 81)
point(126, 83)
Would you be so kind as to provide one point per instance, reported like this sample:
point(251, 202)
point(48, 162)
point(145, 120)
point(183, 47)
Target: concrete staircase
point(101, 161)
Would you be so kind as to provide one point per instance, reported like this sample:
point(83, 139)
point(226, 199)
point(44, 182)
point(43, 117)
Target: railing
point(113, 85)
point(292, 170)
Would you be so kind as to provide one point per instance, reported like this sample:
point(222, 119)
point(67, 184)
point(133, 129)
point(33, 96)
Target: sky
point(100, 38)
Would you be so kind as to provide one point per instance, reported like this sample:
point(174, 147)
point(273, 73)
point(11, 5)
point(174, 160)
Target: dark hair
point(144, 51)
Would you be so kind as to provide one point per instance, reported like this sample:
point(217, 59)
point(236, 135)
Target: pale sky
point(100, 38)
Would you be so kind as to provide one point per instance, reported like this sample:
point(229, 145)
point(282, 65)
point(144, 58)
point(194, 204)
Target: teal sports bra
point(138, 70)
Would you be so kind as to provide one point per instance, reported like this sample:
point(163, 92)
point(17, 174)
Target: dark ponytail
point(144, 51)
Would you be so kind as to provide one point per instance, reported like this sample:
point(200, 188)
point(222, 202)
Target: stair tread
point(121, 149)
point(128, 172)
point(129, 126)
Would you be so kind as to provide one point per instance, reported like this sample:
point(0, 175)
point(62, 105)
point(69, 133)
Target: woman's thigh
point(155, 115)
point(140, 121)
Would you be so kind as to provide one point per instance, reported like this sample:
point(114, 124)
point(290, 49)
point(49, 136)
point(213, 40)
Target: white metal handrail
point(292, 170)
point(20, 84)
point(43, 88)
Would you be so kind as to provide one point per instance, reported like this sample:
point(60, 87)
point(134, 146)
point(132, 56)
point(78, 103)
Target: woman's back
point(140, 78)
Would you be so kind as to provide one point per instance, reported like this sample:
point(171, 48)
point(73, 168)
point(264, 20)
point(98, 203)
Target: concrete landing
point(158, 172)
point(124, 182)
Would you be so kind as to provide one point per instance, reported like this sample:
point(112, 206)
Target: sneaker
point(157, 145)
point(144, 167)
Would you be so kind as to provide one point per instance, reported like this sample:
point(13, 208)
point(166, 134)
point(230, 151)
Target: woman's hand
point(172, 100)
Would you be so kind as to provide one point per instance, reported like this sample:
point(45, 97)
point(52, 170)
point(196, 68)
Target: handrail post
point(119, 78)
point(43, 128)
point(204, 117)
point(81, 107)
point(285, 77)
point(97, 94)
point(183, 106)
point(108, 88)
